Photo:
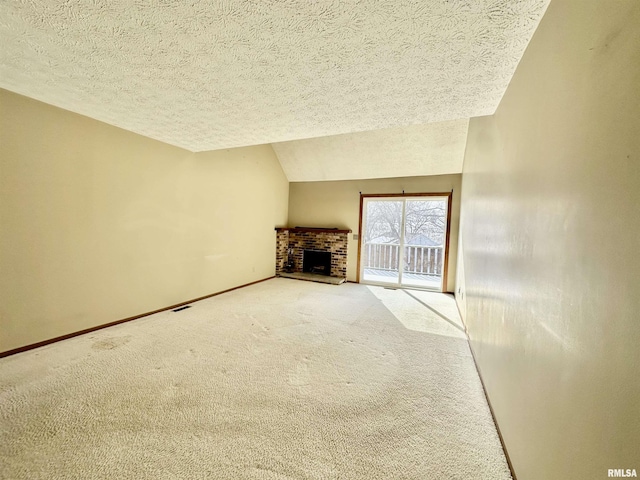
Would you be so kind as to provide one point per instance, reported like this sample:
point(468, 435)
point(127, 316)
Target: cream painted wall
point(337, 204)
point(550, 233)
point(99, 224)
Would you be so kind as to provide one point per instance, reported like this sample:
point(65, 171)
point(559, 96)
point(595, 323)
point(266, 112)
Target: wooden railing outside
point(417, 258)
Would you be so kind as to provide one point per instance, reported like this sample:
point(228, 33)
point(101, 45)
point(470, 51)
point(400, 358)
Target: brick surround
point(300, 239)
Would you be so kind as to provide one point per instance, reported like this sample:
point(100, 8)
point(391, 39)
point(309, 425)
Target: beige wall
point(550, 233)
point(98, 224)
point(337, 204)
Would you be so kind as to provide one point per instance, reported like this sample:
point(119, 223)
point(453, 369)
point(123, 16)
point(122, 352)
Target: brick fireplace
point(292, 242)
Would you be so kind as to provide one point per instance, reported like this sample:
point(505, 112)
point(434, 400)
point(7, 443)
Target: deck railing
point(417, 258)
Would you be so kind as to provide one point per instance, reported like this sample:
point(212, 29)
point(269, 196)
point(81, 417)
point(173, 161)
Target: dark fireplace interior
point(314, 261)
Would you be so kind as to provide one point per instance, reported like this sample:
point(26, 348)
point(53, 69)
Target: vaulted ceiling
point(206, 75)
point(437, 148)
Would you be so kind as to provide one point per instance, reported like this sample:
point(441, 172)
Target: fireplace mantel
point(311, 229)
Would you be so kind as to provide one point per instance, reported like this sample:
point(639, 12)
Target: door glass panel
point(380, 252)
point(424, 237)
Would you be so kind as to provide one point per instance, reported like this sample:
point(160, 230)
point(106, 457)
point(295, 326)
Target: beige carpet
point(284, 379)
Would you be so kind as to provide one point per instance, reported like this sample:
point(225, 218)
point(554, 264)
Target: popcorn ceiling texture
point(210, 75)
point(437, 148)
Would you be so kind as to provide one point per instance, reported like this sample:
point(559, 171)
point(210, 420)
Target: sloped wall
point(550, 229)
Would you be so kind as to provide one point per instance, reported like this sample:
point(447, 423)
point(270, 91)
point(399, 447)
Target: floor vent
point(181, 308)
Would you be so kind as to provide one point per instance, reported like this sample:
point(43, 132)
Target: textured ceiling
point(206, 75)
point(434, 149)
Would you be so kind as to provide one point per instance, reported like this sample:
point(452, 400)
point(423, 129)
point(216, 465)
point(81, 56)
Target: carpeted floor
point(284, 379)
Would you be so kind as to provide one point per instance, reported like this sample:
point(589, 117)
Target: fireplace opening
point(314, 261)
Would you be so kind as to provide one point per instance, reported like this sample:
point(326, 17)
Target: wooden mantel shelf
point(311, 229)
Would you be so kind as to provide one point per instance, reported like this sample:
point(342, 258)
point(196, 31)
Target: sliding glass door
point(403, 241)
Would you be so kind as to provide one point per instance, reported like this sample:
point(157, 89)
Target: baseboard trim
point(117, 322)
point(484, 389)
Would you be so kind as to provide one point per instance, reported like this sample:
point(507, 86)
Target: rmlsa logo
point(621, 472)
